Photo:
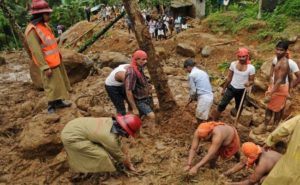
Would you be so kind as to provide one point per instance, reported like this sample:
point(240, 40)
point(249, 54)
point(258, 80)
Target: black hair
point(117, 129)
point(189, 62)
point(283, 44)
point(36, 18)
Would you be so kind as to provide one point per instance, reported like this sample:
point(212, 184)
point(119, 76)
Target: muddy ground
point(159, 158)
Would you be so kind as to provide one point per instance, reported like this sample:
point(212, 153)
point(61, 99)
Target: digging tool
point(240, 108)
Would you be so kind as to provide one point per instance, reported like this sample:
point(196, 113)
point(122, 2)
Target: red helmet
point(130, 123)
point(39, 6)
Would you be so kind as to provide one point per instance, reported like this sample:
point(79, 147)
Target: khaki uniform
point(90, 145)
point(57, 86)
point(287, 169)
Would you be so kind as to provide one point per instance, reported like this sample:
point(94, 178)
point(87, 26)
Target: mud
point(159, 157)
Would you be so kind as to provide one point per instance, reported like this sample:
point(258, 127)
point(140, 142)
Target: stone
point(186, 50)
point(170, 70)
point(98, 111)
point(265, 68)
point(293, 39)
point(77, 66)
point(245, 118)
point(111, 59)
point(259, 84)
point(51, 118)
point(161, 53)
point(206, 51)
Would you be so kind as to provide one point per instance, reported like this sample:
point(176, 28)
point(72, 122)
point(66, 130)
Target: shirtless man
point(281, 72)
point(264, 161)
point(225, 143)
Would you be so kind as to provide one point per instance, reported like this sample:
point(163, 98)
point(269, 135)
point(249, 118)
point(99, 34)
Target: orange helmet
point(39, 6)
point(130, 123)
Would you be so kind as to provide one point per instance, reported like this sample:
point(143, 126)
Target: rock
point(161, 53)
point(185, 50)
point(170, 70)
point(206, 51)
point(258, 120)
point(265, 68)
point(259, 84)
point(41, 104)
point(293, 39)
point(51, 118)
point(106, 71)
point(2, 61)
point(111, 59)
point(26, 109)
point(258, 139)
point(98, 111)
point(43, 130)
point(77, 66)
point(246, 118)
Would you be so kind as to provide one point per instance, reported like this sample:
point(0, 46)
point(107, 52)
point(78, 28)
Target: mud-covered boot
point(62, 104)
point(51, 107)
point(261, 129)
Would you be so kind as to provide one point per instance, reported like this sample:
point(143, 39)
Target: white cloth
point(184, 26)
point(160, 32)
point(111, 80)
point(204, 104)
point(152, 26)
point(240, 77)
point(199, 82)
point(292, 65)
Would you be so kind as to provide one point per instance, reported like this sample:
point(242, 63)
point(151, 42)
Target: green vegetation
point(282, 23)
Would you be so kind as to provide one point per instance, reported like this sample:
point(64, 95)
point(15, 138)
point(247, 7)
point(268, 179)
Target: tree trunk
point(13, 23)
point(259, 9)
point(158, 77)
point(99, 34)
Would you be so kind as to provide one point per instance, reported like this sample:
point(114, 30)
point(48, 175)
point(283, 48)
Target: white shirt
point(111, 80)
point(292, 65)
point(240, 77)
point(199, 82)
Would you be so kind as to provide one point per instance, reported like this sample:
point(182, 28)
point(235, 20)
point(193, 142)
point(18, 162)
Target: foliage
point(290, 8)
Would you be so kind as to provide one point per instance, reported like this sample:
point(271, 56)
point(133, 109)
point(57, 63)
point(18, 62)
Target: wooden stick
point(240, 108)
point(224, 43)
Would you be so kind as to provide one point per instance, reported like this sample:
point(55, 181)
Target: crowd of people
point(93, 144)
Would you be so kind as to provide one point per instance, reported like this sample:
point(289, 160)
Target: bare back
point(281, 70)
point(225, 132)
point(267, 160)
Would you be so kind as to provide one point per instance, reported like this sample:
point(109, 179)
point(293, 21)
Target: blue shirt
point(199, 82)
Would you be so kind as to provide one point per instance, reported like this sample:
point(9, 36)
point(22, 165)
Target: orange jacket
point(49, 44)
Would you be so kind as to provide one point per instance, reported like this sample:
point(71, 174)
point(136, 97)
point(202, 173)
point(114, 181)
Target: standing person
point(171, 25)
point(225, 142)
point(177, 23)
point(46, 56)
point(138, 88)
point(278, 90)
point(129, 24)
point(94, 145)
point(152, 24)
point(87, 11)
point(263, 160)
point(184, 24)
point(200, 89)
point(241, 75)
point(60, 29)
point(287, 169)
point(160, 29)
point(115, 88)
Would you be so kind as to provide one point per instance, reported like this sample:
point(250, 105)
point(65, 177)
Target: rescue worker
point(280, 83)
point(115, 88)
point(93, 144)
point(138, 89)
point(46, 56)
point(286, 171)
point(240, 76)
point(225, 142)
point(200, 89)
point(263, 161)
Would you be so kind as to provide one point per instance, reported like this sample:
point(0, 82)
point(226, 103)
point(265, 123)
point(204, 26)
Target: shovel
point(240, 107)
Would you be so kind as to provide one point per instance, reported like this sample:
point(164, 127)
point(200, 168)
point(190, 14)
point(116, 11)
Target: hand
point(131, 167)
point(247, 84)
point(193, 171)
point(48, 73)
point(187, 168)
point(135, 111)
